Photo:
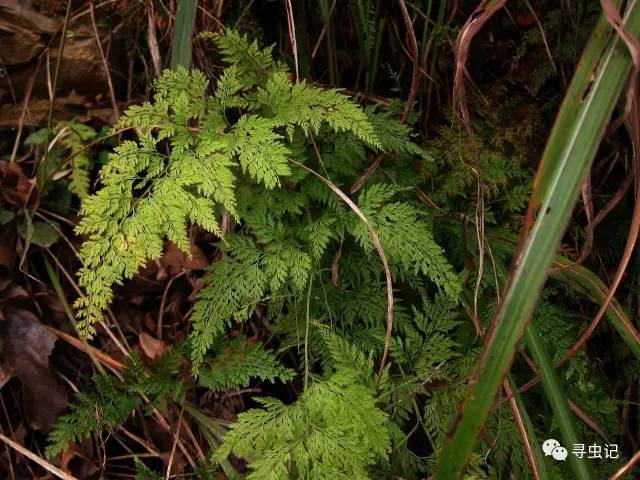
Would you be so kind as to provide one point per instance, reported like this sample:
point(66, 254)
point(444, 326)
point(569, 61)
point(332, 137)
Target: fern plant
point(148, 195)
point(199, 154)
point(71, 137)
point(334, 430)
point(110, 402)
point(298, 263)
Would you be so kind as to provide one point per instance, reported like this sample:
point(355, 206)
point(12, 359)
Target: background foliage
point(218, 309)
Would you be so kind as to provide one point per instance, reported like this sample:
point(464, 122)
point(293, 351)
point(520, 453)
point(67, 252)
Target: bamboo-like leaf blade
point(183, 33)
point(570, 151)
point(557, 398)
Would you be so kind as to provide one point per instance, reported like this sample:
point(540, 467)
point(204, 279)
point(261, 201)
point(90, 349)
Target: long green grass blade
point(530, 431)
point(183, 33)
point(584, 280)
point(558, 399)
point(551, 382)
point(578, 278)
point(573, 143)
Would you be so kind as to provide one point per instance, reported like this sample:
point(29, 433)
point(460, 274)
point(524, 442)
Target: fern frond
point(108, 406)
point(72, 136)
point(233, 289)
point(252, 63)
point(148, 196)
point(76, 141)
point(334, 430)
point(145, 473)
point(406, 238)
point(110, 402)
point(309, 107)
point(260, 150)
point(235, 286)
point(394, 136)
point(238, 362)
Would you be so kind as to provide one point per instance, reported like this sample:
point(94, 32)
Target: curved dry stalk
point(415, 57)
point(378, 246)
point(291, 24)
point(620, 474)
point(472, 26)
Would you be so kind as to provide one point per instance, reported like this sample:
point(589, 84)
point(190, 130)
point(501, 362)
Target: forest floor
point(435, 153)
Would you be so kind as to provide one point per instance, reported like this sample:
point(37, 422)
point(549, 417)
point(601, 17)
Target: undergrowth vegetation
point(342, 309)
point(300, 265)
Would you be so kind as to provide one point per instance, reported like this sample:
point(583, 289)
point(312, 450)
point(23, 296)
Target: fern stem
point(306, 334)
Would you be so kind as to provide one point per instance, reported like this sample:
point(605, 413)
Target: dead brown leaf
point(152, 347)
point(26, 346)
point(15, 186)
point(8, 247)
point(78, 462)
point(175, 261)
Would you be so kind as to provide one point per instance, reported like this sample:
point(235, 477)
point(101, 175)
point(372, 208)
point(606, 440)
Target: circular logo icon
point(559, 453)
point(549, 445)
